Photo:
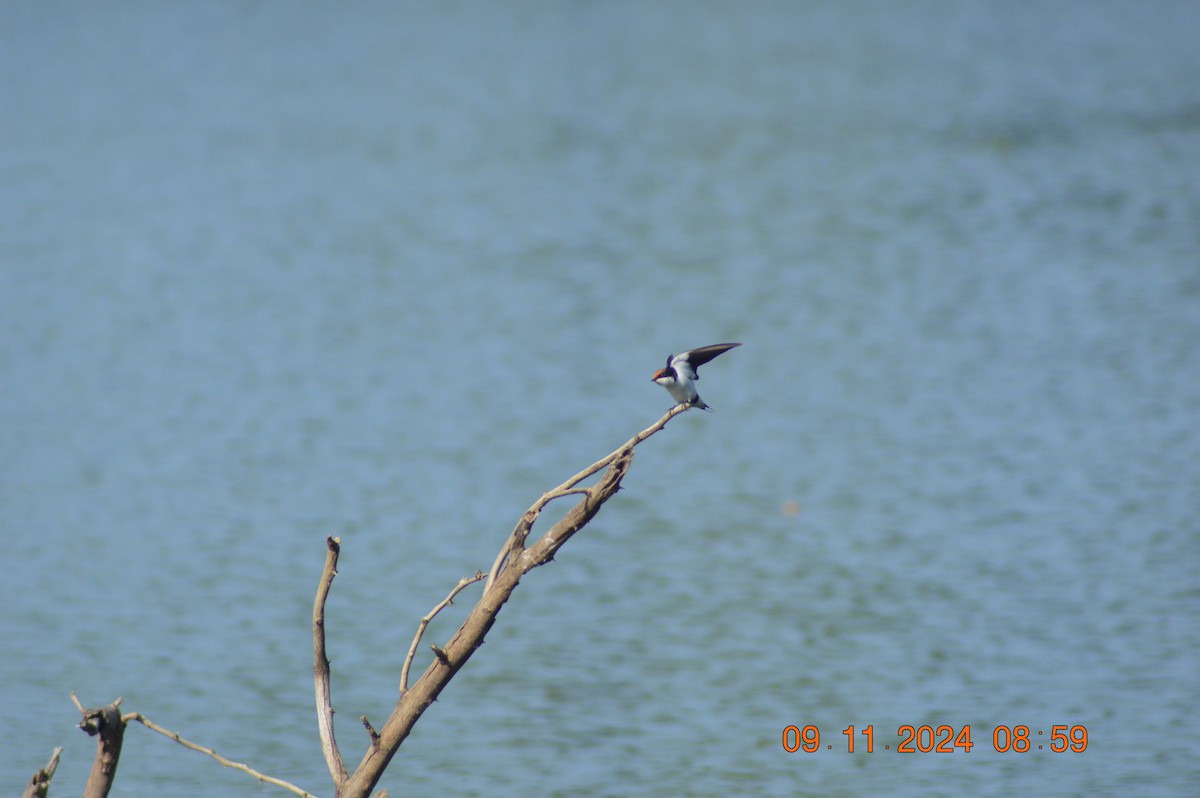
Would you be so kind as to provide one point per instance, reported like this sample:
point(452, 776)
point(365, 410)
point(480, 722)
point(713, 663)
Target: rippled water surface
point(271, 272)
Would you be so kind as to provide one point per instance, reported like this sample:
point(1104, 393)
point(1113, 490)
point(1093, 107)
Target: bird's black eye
point(669, 359)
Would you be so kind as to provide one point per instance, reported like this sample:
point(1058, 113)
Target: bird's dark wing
point(698, 357)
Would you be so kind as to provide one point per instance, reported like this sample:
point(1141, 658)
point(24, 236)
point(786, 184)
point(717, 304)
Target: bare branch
point(513, 562)
point(516, 539)
point(39, 785)
point(142, 719)
point(558, 494)
point(446, 602)
point(333, 757)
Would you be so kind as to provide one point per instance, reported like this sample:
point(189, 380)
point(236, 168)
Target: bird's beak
point(658, 374)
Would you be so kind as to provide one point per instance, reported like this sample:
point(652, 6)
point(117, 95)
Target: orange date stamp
point(942, 739)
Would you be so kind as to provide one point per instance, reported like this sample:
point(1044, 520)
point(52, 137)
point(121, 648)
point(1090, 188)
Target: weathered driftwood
point(513, 562)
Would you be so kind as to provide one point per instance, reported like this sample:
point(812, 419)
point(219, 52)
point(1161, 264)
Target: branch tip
point(140, 718)
point(370, 730)
point(447, 601)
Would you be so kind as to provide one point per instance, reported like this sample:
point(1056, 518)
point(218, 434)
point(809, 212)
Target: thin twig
point(82, 709)
point(329, 747)
point(142, 719)
point(634, 441)
point(558, 494)
point(446, 602)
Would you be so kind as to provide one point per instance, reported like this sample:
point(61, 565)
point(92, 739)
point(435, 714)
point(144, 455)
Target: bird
point(680, 374)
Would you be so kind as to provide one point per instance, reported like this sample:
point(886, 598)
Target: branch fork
point(513, 562)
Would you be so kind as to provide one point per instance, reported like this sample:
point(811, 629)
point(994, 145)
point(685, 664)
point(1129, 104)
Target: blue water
point(270, 272)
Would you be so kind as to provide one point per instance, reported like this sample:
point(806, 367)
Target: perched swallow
point(680, 375)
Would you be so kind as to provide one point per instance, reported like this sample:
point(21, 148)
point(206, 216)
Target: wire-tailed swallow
point(680, 375)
